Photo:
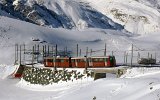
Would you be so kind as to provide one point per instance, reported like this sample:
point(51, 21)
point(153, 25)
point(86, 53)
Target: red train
point(80, 62)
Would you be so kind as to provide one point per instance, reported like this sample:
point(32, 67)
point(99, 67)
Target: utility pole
point(148, 54)
point(86, 59)
point(20, 62)
point(55, 67)
point(112, 53)
point(124, 57)
point(155, 55)
point(56, 51)
point(132, 56)
point(77, 50)
point(45, 49)
point(80, 52)
point(66, 52)
point(52, 51)
point(38, 53)
point(32, 55)
point(35, 48)
point(48, 51)
point(91, 52)
point(138, 57)
point(43, 52)
point(24, 53)
point(105, 50)
point(15, 53)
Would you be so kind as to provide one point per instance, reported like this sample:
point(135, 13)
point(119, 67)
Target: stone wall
point(45, 76)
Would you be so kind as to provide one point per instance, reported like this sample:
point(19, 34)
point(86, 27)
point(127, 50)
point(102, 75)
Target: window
point(95, 60)
point(62, 60)
point(101, 59)
point(72, 60)
point(80, 60)
point(105, 59)
point(49, 60)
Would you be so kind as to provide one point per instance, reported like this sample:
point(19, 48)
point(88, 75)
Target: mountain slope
point(135, 16)
point(69, 14)
point(14, 31)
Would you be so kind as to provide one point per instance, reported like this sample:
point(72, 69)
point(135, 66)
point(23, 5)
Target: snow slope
point(136, 84)
point(151, 3)
point(16, 31)
point(73, 14)
point(69, 14)
point(130, 13)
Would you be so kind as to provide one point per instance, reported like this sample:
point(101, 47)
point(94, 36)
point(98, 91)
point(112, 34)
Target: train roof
point(77, 57)
point(91, 57)
point(56, 57)
point(99, 57)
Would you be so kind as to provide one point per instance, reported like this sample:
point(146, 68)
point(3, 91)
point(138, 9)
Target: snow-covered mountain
point(15, 31)
point(85, 22)
point(81, 14)
point(137, 16)
point(91, 24)
point(69, 14)
point(151, 3)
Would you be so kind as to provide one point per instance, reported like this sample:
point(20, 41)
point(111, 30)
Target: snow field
point(130, 13)
point(136, 84)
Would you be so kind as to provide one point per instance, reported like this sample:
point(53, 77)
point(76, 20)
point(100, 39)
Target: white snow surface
point(14, 31)
point(136, 84)
point(130, 13)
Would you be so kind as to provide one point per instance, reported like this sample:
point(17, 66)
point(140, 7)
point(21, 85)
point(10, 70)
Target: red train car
point(59, 62)
point(80, 62)
point(96, 62)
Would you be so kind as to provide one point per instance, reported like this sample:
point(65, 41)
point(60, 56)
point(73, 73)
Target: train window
point(72, 60)
point(105, 59)
point(101, 59)
point(62, 60)
point(82, 60)
point(95, 60)
point(53, 60)
point(50, 60)
point(57, 60)
point(78, 60)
